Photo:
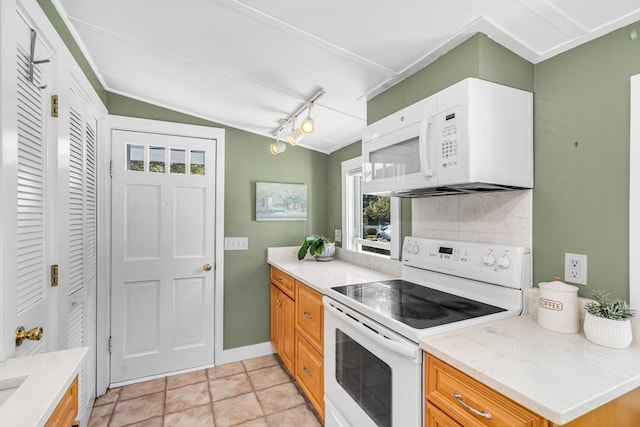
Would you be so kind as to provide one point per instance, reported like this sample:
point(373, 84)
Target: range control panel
point(492, 263)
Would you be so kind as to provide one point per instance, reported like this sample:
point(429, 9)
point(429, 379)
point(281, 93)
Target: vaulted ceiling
point(251, 63)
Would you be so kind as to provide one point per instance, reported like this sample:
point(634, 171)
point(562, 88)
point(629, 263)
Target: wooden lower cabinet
point(282, 329)
point(297, 333)
point(444, 383)
point(67, 410)
point(443, 409)
point(310, 372)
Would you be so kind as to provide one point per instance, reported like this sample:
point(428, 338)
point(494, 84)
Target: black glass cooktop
point(417, 306)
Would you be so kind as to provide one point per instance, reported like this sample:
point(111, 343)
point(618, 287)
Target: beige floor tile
point(300, 416)
point(100, 415)
point(140, 389)
point(138, 409)
point(236, 410)
point(260, 422)
point(279, 398)
point(109, 397)
point(260, 362)
point(153, 422)
point(179, 399)
point(200, 416)
point(268, 377)
point(223, 388)
point(189, 378)
point(225, 370)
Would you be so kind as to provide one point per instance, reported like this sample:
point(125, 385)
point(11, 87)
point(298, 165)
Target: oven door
point(372, 376)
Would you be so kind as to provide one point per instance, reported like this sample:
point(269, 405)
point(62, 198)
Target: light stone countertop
point(49, 375)
point(559, 376)
point(322, 275)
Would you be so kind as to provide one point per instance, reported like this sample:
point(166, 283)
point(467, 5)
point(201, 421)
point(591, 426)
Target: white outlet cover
point(575, 268)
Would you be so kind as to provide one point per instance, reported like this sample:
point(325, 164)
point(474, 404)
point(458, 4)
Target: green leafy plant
point(313, 244)
point(607, 308)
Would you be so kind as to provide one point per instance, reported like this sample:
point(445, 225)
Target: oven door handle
point(410, 352)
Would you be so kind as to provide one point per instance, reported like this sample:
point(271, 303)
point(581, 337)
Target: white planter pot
point(327, 253)
point(608, 332)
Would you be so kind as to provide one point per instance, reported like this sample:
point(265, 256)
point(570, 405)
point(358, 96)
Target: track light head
point(308, 125)
point(277, 147)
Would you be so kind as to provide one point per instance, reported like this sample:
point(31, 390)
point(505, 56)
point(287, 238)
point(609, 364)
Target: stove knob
point(415, 249)
point(489, 259)
point(504, 262)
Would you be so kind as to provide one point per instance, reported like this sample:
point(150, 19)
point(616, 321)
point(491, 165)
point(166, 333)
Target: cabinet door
point(288, 332)
point(310, 372)
point(282, 326)
point(275, 332)
point(309, 315)
point(434, 417)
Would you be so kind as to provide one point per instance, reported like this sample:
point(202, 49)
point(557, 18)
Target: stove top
point(445, 285)
point(417, 306)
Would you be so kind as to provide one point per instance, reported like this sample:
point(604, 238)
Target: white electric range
point(373, 365)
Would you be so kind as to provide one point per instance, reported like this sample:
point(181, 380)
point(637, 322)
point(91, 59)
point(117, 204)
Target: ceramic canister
point(558, 309)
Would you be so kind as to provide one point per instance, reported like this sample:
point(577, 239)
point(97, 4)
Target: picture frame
point(281, 201)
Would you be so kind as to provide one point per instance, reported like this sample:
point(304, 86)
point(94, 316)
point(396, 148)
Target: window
point(370, 223)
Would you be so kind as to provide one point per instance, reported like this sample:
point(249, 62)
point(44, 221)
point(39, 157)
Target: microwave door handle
point(423, 148)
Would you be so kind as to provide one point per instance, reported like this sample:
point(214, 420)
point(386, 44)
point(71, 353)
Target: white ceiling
point(250, 63)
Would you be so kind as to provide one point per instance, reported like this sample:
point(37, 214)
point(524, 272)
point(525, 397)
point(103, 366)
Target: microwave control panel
point(449, 134)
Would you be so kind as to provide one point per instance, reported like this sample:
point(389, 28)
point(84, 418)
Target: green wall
point(334, 169)
point(581, 194)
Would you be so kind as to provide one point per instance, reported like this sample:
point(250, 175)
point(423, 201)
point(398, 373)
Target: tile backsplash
point(501, 217)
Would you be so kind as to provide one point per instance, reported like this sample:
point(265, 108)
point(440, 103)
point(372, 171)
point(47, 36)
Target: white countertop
point(49, 377)
point(559, 376)
point(321, 275)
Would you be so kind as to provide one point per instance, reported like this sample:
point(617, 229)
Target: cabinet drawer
point(444, 383)
point(283, 281)
point(436, 418)
point(67, 410)
point(309, 315)
point(310, 372)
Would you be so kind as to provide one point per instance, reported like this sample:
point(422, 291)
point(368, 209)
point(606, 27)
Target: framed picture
point(281, 202)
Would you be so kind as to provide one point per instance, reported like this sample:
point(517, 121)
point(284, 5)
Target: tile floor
point(252, 393)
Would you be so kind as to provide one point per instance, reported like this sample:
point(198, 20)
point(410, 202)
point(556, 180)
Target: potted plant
point(321, 248)
point(607, 322)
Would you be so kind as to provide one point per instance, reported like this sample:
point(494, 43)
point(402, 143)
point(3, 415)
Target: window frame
point(352, 238)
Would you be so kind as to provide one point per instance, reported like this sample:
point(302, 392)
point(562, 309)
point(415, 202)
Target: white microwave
point(474, 136)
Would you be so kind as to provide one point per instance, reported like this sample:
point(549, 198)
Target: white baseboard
point(241, 353)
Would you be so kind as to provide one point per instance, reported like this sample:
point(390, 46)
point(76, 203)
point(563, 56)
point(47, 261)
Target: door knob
point(206, 267)
point(34, 334)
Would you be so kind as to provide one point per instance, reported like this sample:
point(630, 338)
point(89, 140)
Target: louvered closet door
point(32, 284)
point(81, 238)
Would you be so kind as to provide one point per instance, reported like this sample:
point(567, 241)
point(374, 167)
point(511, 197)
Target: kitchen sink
point(9, 385)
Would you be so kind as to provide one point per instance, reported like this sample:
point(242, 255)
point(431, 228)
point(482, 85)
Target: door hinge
point(111, 168)
point(110, 344)
point(54, 275)
point(54, 105)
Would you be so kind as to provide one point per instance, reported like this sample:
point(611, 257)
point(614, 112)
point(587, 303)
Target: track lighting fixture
point(278, 146)
point(295, 135)
point(307, 126)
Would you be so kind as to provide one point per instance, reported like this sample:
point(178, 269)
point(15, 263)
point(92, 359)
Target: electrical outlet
point(575, 268)
point(338, 236)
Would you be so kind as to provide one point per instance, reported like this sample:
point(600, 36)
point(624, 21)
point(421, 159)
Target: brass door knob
point(207, 267)
point(34, 334)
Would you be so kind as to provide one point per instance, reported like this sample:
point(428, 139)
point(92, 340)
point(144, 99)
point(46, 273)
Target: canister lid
point(557, 285)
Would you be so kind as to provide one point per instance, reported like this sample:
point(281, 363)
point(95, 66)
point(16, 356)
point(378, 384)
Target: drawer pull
point(279, 279)
point(306, 371)
point(484, 414)
point(279, 303)
point(308, 315)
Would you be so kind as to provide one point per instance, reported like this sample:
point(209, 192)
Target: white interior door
point(163, 208)
point(28, 235)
